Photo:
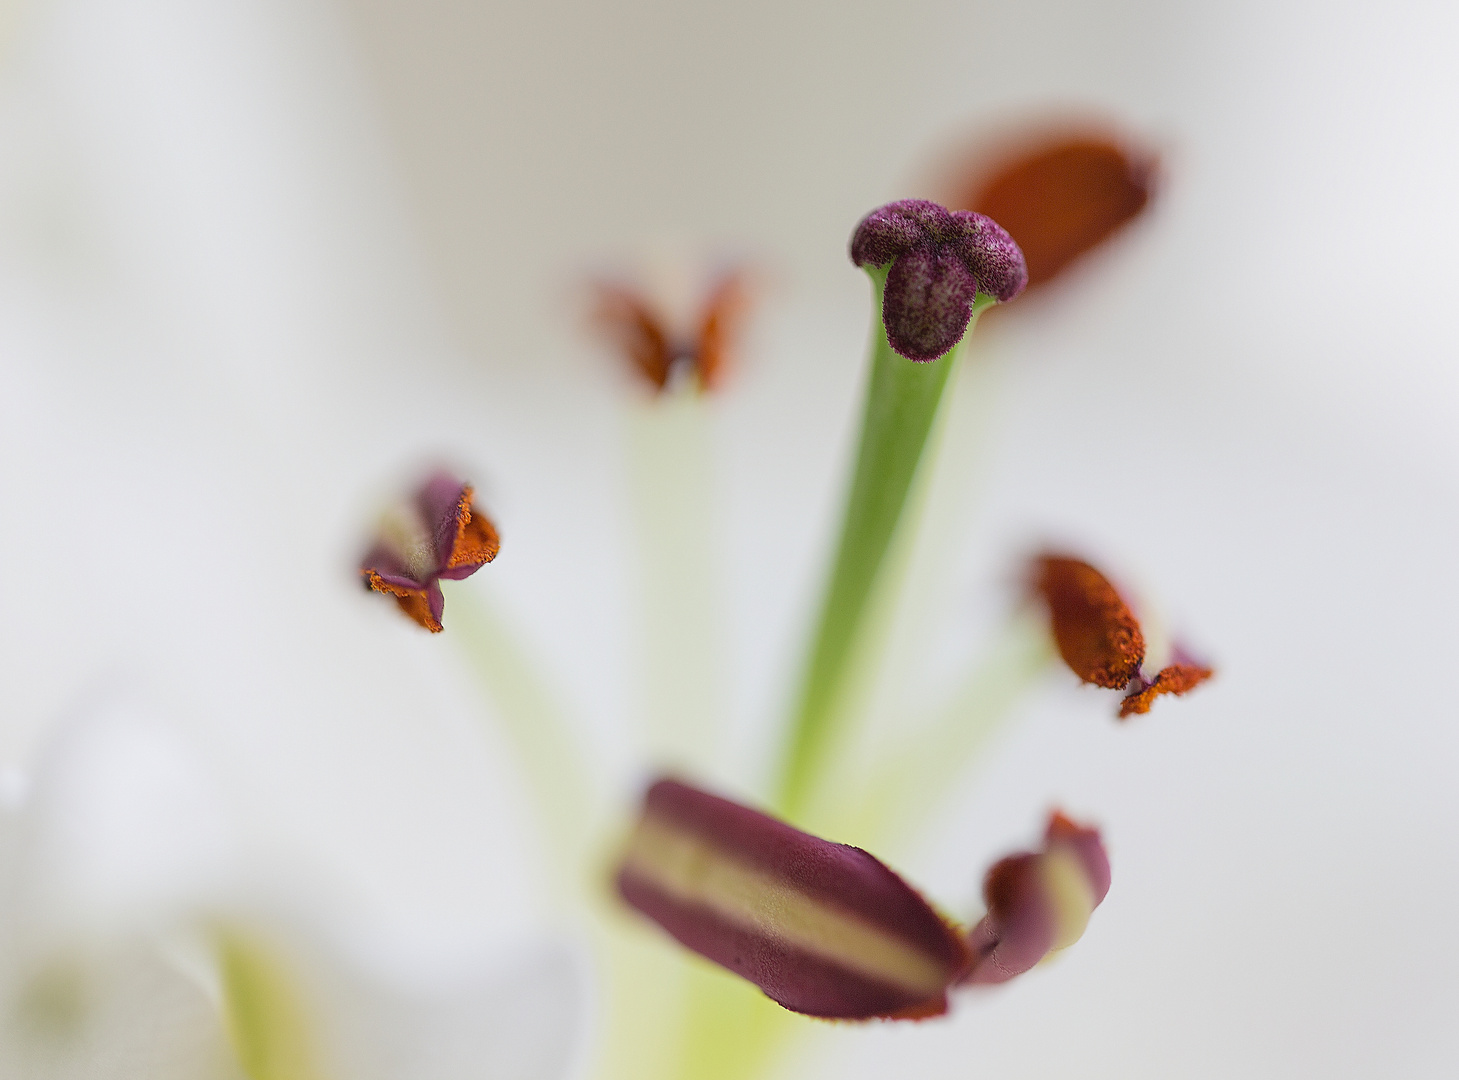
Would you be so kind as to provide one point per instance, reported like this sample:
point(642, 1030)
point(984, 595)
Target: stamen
point(1038, 902)
point(1177, 678)
point(1097, 634)
point(1063, 194)
point(439, 535)
point(822, 928)
point(638, 330)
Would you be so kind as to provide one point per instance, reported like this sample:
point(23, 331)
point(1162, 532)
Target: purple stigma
point(938, 261)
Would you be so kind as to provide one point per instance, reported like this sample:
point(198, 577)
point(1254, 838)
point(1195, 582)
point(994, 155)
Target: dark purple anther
point(939, 260)
point(822, 928)
point(1038, 902)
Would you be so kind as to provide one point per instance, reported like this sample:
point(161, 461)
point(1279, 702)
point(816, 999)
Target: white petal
point(513, 1021)
point(125, 1013)
point(123, 828)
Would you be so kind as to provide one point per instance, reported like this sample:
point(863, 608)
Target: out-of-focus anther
point(438, 534)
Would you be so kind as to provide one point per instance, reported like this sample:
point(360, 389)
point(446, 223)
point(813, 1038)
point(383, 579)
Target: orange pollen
point(412, 601)
point(1175, 679)
point(1064, 197)
point(477, 541)
point(1097, 634)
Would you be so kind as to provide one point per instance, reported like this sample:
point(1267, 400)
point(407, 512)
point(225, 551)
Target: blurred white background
point(258, 260)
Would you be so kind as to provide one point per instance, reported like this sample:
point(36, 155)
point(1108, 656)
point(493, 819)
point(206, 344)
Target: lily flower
point(437, 535)
point(1100, 639)
point(821, 928)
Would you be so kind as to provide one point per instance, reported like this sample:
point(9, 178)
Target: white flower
point(203, 289)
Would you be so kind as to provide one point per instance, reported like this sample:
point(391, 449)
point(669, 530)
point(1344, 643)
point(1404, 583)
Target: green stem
point(732, 1030)
point(532, 720)
point(670, 474)
point(266, 1018)
point(669, 1016)
point(901, 404)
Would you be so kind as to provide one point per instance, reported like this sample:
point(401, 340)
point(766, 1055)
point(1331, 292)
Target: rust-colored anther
point(719, 327)
point(1062, 196)
point(822, 928)
point(1176, 679)
point(634, 329)
point(642, 335)
point(1097, 634)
